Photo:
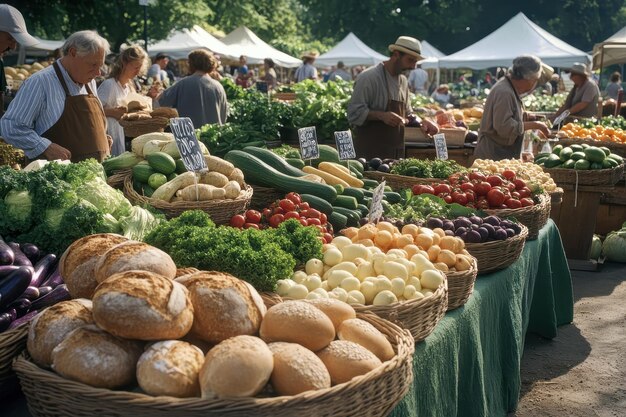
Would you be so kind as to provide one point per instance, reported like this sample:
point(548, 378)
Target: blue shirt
point(38, 105)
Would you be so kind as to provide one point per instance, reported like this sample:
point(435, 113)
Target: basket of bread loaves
point(144, 338)
point(140, 119)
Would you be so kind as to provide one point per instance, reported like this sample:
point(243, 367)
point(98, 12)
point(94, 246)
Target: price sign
point(308, 143)
point(345, 145)
point(187, 143)
point(376, 209)
point(440, 146)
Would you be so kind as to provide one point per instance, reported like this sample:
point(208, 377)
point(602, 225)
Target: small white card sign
point(376, 209)
point(308, 143)
point(345, 145)
point(440, 146)
point(187, 143)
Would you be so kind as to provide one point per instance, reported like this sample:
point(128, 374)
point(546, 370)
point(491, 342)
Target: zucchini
point(295, 162)
point(346, 201)
point(355, 172)
point(142, 172)
point(393, 197)
point(162, 162)
point(259, 173)
point(317, 203)
point(352, 215)
point(363, 209)
point(340, 188)
point(353, 165)
point(338, 221)
point(368, 183)
point(367, 193)
point(354, 192)
point(327, 154)
point(180, 167)
point(275, 161)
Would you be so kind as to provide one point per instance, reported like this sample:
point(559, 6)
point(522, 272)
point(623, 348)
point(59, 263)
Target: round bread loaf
point(297, 369)
point(337, 311)
point(142, 305)
point(237, 367)
point(94, 357)
point(170, 368)
point(52, 325)
point(345, 360)
point(185, 271)
point(78, 263)
point(224, 306)
point(361, 332)
point(134, 256)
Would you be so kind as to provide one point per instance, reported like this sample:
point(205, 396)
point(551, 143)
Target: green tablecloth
point(470, 365)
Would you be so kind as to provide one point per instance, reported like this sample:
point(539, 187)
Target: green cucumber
point(180, 167)
point(363, 209)
point(327, 154)
point(346, 201)
point(369, 184)
point(162, 163)
point(317, 203)
point(338, 221)
point(141, 172)
point(295, 162)
point(355, 172)
point(355, 192)
point(393, 197)
point(275, 161)
point(352, 215)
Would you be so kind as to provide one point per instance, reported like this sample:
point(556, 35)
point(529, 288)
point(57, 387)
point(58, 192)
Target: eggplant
point(492, 220)
point(434, 223)
point(44, 290)
point(509, 232)
point(6, 270)
point(462, 222)
point(500, 234)
point(473, 237)
point(21, 306)
point(42, 269)
point(54, 279)
point(383, 168)
point(32, 293)
point(460, 231)
point(24, 319)
point(7, 256)
point(60, 293)
point(14, 285)
point(6, 319)
point(20, 258)
point(31, 251)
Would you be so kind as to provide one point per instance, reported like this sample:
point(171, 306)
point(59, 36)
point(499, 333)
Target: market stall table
point(470, 365)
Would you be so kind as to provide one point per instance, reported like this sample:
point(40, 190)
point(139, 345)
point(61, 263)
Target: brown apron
point(375, 139)
point(81, 129)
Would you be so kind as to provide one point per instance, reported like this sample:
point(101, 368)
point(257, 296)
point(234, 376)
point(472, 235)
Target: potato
point(447, 257)
point(219, 165)
point(232, 190)
point(350, 232)
point(383, 239)
point(433, 253)
point(410, 229)
point(355, 297)
point(442, 267)
point(431, 279)
point(202, 192)
point(332, 257)
point(385, 297)
point(237, 175)
point(341, 241)
point(314, 266)
point(411, 250)
point(386, 226)
point(298, 291)
point(424, 241)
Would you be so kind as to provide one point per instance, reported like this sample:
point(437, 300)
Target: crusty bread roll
point(94, 357)
point(134, 256)
point(78, 262)
point(297, 369)
point(297, 322)
point(237, 367)
point(142, 305)
point(224, 306)
point(52, 325)
point(136, 105)
point(361, 332)
point(180, 272)
point(168, 112)
point(170, 368)
point(345, 360)
point(337, 311)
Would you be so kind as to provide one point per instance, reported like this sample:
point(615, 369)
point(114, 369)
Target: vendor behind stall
point(56, 113)
point(502, 127)
point(582, 100)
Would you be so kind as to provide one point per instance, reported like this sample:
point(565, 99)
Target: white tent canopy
point(431, 54)
point(516, 37)
point(611, 51)
point(242, 41)
point(352, 51)
point(180, 43)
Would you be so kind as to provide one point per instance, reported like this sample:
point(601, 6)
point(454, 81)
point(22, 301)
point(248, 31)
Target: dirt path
point(582, 372)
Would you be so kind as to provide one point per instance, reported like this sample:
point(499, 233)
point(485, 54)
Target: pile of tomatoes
point(481, 191)
point(290, 207)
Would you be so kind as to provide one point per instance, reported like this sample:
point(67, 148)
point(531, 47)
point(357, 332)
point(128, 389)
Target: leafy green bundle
point(426, 168)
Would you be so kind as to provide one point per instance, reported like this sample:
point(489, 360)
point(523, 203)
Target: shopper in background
point(340, 73)
point(157, 70)
point(418, 81)
point(244, 75)
point(197, 96)
point(502, 127)
point(12, 32)
point(442, 95)
point(216, 74)
point(113, 91)
point(614, 86)
point(270, 74)
point(582, 100)
point(307, 71)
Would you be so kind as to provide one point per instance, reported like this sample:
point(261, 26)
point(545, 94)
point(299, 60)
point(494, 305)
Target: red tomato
point(328, 237)
point(519, 184)
point(303, 221)
point(482, 203)
point(251, 225)
point(314, 222)
point(279, 210)
point(287, 205)
point(482, 188)
point(513, 203)
point(276, 219)
point(477, 176)
point(292, 215)
point(422, 189)
point(508, 174)
point(494, 180)
point(303, 206)
point(524, 192)
point(253, 216)
point(322, 229)
point(323, 218)
point(527, 202)
point(466, 186)
point(442, 189)
point(447, 198)
point(459, 198)
point(295, 197)
point(510, 186)
point(313, 214)
point(267, 213)
point(495, 197)
point(471, 196)
point(237, 221)
point(515, 194)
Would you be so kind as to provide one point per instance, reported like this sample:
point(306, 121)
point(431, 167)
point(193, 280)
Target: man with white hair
point(56, 113)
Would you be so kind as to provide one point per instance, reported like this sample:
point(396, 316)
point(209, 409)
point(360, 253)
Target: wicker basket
point(373, 394)
point(399, 182)
point(264, 196)
point(586, 177)
point(134, 128)
point(418, 316)
point(220, 210)
point(285, 96)
point(461, 286)
point(615, 147)
point(12, 342)
point(116, 180)
point(497, 254)
point(533, 217)
point(10, 155)
point(454, 137)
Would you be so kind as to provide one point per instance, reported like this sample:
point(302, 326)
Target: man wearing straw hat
point(306, 71)
point(582, 100)
point(380, 104)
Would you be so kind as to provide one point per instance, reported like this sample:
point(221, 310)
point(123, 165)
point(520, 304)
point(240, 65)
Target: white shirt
point(305, 72)
point(111, 94)
point(418, 79)
point(38, 105)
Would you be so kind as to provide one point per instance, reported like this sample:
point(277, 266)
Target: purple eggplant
point(24, 319)
point(31, 251)
point(20, 258)
point(7, 256)
point(54, 279)
point(6, 270)
point(43, 290)
point(21, 306)
point(14, 285)
point(57, 295)
point(6, 319)
point(32, 293)
point(42, 268)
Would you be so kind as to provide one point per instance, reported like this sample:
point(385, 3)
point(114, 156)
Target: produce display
point(579, 157)
point(475, 229)
point(614, 245)
point(426, 168)
point(22, 72)
point(29, 282)
point(609, 129)
point(539, 102)
point(418, 208)
point(536, 179)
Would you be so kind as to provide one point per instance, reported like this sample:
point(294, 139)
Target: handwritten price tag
point(376, 209)
point(308, 143)
point(440, 146)
point(345, 145)
point(187, 143)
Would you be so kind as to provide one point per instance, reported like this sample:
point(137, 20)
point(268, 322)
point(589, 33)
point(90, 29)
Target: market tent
point(431, 54)
point(611, 51)
point(352, 51)
point(43, 48)
point(243, 41)
point(516, 37)
point(180, 43)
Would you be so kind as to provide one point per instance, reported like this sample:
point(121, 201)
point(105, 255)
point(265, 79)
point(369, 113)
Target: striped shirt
point(37, 106)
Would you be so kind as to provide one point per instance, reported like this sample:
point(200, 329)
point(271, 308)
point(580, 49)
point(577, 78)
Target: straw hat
point(310, 55)
point(581, 69)
point(407, 45)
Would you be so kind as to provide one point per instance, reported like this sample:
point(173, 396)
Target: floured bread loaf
point(133, 255)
